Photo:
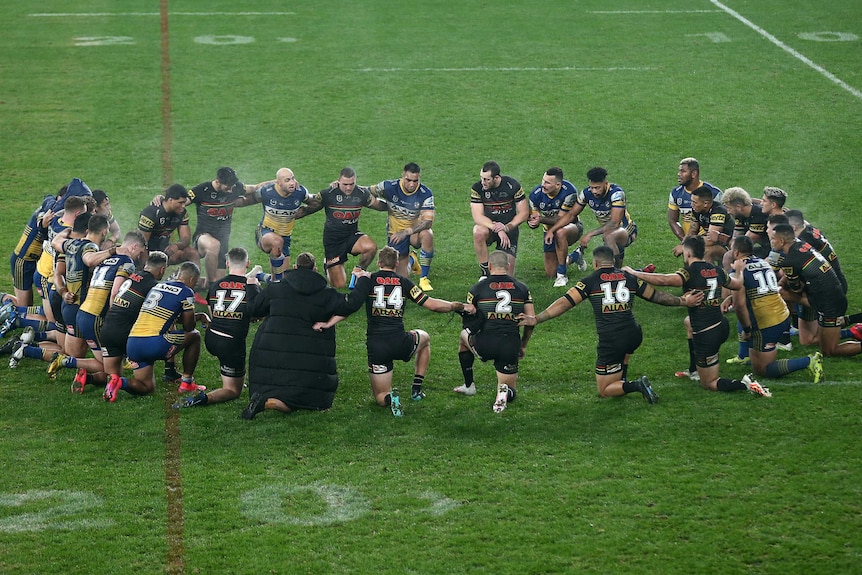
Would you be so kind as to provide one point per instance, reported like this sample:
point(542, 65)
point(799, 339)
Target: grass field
point(762, 92)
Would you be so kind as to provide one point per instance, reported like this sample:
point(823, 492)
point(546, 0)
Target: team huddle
point(109, 305)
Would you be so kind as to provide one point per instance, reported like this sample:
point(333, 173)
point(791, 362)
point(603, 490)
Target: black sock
point(630, 387)
point(853, 319)
point(511, 395)
point(484, 269)
point(387, 400)
point(625, 371)
point(725, 384)
point(466, 358)
point(692, 366)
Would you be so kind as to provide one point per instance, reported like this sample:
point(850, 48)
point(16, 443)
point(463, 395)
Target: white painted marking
point(715, 37)
point(342, 504)
point(223, 40)
point(287, 39)
point(121, 14)
point(103, 40)
point(63, 504)
point(511, 69)
point(799, 56)
point(829, 36)
point(438, 503)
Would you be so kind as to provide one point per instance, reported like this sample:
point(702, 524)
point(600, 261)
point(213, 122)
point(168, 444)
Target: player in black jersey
point(230, 299)
point(810, 280)
point(343, 202)
point(712, 222)
point(384, 294)
point(158, 224)
point(122, 315)
point(498, 300)
point(706, 326)
point(214, 203)
point(805, 232)
point(749, 220)
point(498, 205)
point(610, 290)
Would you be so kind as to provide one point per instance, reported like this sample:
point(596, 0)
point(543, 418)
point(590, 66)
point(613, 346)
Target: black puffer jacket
point(289, 360)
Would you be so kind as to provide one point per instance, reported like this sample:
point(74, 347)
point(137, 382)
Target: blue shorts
point(766, 339)
point(69, 312)
point(22, 272)
point(262, 231)
point(88, 328)
point(402, 247)
point(145, 351)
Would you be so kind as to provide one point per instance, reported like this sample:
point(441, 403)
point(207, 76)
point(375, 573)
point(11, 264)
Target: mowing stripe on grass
point(120, 14)
point(798, 55)
point(175, 559)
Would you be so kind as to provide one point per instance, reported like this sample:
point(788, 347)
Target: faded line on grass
point(175, 558)
point(514, 69)
point(121, 14)
point(798, 55)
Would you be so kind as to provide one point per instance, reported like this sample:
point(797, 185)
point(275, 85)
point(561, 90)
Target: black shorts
point(613, 349)
point(707, 343)
point(830, 306)
point(223, 236)
point(230, 352)
point(383, 350)
point(56, 302)
point(113, 340)
point(513, 241)
point(504, 349)
point(335, 251)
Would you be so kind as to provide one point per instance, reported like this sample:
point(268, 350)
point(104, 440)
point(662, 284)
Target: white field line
point(798, 55)
point(654, 11)
point(510, 69)
point(108, 14)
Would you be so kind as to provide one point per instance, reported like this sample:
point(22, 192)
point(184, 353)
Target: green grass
point(563, 481)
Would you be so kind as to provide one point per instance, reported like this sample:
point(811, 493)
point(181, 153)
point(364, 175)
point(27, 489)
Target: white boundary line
point(509, 69)
point(654, 11)
point(103, 14)
point(799, 56)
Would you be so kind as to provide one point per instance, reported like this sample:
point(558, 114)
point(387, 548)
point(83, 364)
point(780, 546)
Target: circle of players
point(111, 294)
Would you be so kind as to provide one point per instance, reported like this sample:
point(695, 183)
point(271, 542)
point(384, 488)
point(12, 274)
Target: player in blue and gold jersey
point(72, 277)
point(548, 201)
point(608, 202)
point(121, 316)
point(764, 316)
point(154, 338)
point(29, 249)
point(411, 214)
point(105, 282)
point(282, 202)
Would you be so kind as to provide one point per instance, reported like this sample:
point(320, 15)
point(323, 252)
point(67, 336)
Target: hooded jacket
point(289, 360)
